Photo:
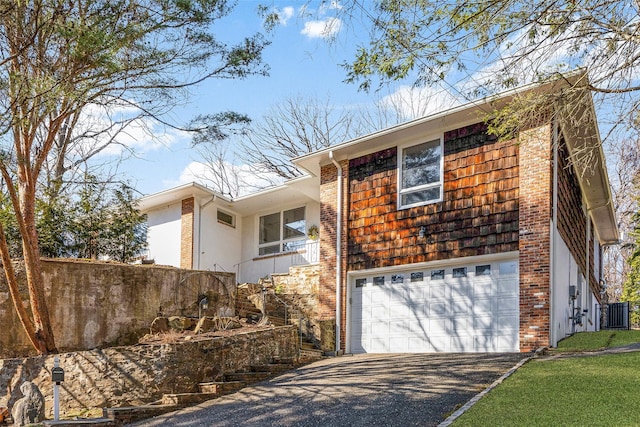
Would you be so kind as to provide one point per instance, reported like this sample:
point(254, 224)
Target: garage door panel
point(439, 291)
point(461, 306)
point(431, 310)
point(507, 305)
point(483, 306)
point(508, 287)
point(439, 326)
point(460, 325)
point(506, 324)
point(439, 309)
point(484, 343)
point(483, 290)
point(482, 323)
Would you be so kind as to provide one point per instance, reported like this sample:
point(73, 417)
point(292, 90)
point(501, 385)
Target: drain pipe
point(553, 332)
point(338, 250)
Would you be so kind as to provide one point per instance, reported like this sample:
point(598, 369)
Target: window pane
point(421, 196)
point(226, 218)
point(270, 228)
point(267, 250)
point(294, 224)
point(421, 164)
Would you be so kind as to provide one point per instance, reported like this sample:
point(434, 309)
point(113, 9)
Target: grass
point(595, 390)
point(585, 341)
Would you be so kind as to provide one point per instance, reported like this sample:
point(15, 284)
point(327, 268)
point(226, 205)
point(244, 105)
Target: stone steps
point(248, 377)
point(185, 399)
point(221, 387)
point(274, 368)
point(207, 391)
point(130, 414)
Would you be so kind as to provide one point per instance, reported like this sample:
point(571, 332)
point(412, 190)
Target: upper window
point(226, 218)
point(282, 231)
point(421, 174)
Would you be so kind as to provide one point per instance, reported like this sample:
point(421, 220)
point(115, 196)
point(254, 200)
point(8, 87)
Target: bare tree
point(624, 157)
point(58, 58)
point(295, 127)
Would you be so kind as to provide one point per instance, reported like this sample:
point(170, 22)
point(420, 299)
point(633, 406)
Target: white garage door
point(464, 308)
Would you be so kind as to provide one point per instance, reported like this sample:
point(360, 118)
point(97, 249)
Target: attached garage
point(471, 307)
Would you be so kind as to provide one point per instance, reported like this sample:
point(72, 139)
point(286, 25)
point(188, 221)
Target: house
point(433, 235)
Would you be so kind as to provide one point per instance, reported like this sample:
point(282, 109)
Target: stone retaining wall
point(100, 304)
point(123, 376)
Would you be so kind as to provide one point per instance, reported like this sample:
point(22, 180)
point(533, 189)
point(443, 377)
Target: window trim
point(232, 216)
point(282, 241)
point(403, 191)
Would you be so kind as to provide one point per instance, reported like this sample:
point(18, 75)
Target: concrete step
point(247, 377)
point(184, 399)
point(221, 388)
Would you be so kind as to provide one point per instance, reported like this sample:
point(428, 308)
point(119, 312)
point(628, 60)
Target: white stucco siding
point(163, 234)
point(253, 267)
point(217, 246)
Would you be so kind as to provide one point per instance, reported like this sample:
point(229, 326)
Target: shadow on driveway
point(362, 390)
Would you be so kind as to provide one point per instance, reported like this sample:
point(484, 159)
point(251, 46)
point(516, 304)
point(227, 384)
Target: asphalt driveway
point(362, 390)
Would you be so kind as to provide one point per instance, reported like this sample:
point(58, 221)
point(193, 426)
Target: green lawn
point(597, 390)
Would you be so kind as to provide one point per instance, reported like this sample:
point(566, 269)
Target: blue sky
point(301, 62)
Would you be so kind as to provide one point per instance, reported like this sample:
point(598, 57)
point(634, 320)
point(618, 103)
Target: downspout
point(552, 328)
point(587, 274)
point(338, 249)
point(200, 209)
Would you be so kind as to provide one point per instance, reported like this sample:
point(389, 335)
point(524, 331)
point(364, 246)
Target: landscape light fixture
point(202, 305)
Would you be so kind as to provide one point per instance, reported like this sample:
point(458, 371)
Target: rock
point(160, 325)
point(30, 408)
point(212, 324)
point(180, 323)
point(205, 324)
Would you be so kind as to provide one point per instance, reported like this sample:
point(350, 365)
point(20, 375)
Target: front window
point(421, 174)
point(282, 231)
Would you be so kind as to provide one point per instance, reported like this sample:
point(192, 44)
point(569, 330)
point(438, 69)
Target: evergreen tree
point(631, 289)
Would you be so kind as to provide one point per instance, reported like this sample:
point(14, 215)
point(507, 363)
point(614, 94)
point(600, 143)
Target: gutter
point(338, 249)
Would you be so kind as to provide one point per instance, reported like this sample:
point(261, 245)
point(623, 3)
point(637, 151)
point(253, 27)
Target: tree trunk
point(33, 270)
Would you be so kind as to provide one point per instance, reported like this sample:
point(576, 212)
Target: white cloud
point(325, 28)
point(285, 14)
point(414, 102)
point(118, 129)
point(240, 179)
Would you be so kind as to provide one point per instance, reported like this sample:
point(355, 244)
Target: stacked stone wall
point(125, 376)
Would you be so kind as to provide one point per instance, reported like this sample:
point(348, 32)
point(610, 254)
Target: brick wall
point(328, 232)
point(478, 214)
point(186, 233)
point(535, 228)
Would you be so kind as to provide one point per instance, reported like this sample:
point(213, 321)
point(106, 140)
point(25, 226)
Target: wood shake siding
point(572, 223)
point(478, 214)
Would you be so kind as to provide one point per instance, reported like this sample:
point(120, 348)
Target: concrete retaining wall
point(98, 304)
